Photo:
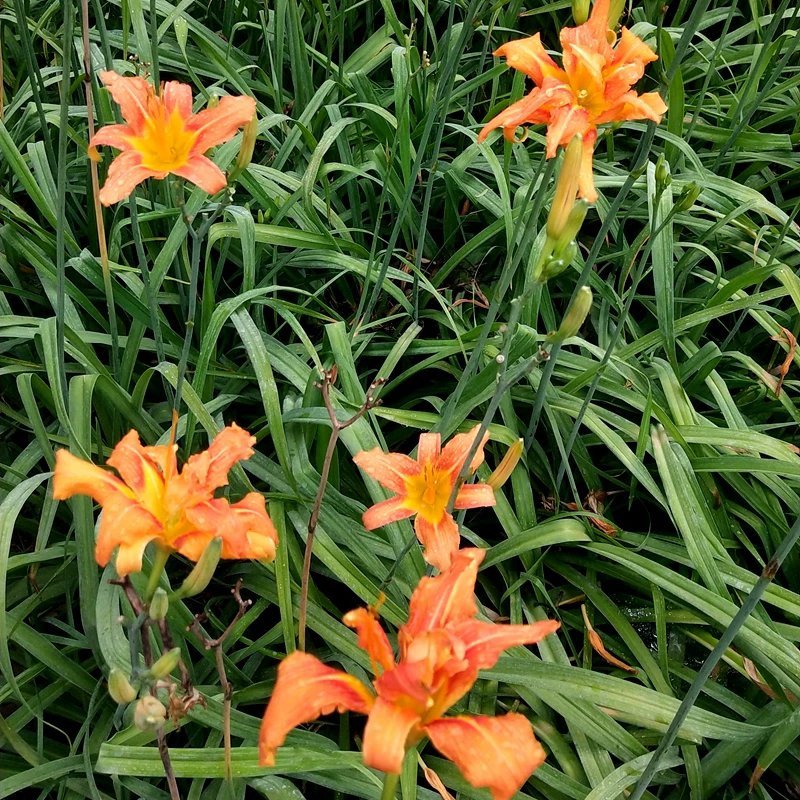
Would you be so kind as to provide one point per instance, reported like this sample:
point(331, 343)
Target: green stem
point(159, 561)
point(390, 786)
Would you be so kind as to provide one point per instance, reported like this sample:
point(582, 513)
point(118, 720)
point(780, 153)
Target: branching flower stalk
point(219, 658)
point(371, 401)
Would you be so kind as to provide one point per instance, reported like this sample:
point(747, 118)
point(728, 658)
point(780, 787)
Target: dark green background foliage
point(371, 232)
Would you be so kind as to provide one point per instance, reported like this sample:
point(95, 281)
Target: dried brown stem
point(328, 379)
point(216, 646)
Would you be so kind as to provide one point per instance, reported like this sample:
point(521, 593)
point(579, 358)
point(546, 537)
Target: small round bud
point(159, 605)
point(500, 358)
point(149, 714)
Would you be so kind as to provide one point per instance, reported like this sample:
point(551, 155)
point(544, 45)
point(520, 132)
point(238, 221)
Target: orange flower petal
point(113, 136)
point(407, 684)
point(203, 172)
point(210, 519)
point(529, 56)
point(385, 512)
point(133, 95)
point(371, 637)
point(475, 495)
point(216, 125)
point(124, 175)
point(565, 123)
point(446, 598)
point(440, 539)
point(631, 49)
point(74, 476)
point(634, 106)
point(210, 468)
point(593, 33)
point(177, 98)
point(386, 736)
point(535, 107)
point(485, 641)
point(306, 689)
point(126, 524)
point(389, 469)
point(262, 537)
point(429, 447)
point(136, 468)
point(457, 449)
point(495, 753)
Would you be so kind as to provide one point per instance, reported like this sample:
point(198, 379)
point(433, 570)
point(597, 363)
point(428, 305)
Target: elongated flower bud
point(570, 228)
point(566, 188)
point(580, 11)
point(149, 713)
point(688, 197)
point(159, 605)
point(202, 572)
point(165, 664)
point(575, 317)
point(245, 156)
point(119, 686)
point(504, 469)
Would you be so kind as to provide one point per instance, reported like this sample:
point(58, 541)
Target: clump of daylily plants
point(151, 502)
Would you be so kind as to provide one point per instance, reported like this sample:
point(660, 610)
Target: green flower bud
point(200, 576)
point(119, 687)
point(663, 178)
point(575, 317)
point(149, 714)
point(687, 197)
point(553, 267)
point(580, 11)
point(159, 605)
point(165, 664)
point(249, 135)
point(571, 227)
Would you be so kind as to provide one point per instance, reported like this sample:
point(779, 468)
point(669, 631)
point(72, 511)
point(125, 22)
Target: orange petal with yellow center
point(114, 136)
point(446, 598)
point(203, 172)
point(74, 476)
point(389, 469)
point(371, 638)
point(386, 512)
point(133, 95)
point(429, 447)
point(124, 175)
point(138, 470)
point(440, 539)
point(389, 730)
point(475, 495)
point(306, 689)
point(216, 125)
point(262, 537)
point(495, 753)
point(210, 468)
point(529, 56)
point(485, 641)
point(455, 452)
point(177, 96)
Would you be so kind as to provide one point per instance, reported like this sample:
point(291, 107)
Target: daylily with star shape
point(162, 136)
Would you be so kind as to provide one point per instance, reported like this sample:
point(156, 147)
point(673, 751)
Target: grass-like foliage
point(374, 249)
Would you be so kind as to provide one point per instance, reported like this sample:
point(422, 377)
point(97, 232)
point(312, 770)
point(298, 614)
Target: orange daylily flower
point(152, 501)
point(593, 87)
point(423, 488)
point(442, 649)
point(161, 135)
